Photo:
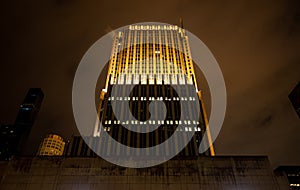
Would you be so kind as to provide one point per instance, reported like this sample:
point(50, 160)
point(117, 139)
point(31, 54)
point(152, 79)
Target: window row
point(152, 98)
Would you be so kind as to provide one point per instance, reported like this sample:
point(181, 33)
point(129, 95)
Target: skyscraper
point(29, 108)
point(151, 63)
point(27, 114)
point(12, 137)
point(8, 141)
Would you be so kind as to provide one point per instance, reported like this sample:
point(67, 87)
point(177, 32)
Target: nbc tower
point(154, 63)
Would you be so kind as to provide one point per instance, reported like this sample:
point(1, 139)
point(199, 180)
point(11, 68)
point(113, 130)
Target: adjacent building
point(13, 137)
point(77, 147)
point(52, 145)
point(8, 141)
point(294, 97)
point(202, 172)
point(291, 173)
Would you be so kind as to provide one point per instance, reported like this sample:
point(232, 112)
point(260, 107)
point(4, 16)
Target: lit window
point(295, 184)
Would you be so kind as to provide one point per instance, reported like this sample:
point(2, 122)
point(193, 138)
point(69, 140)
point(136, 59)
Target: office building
point(202, 172)
point(13, 137)
point(154, 63)
point(291, 173)
point(294, 97)
point(8, 141)
point(77, 147)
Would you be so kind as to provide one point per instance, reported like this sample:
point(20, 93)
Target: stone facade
point(66, 173)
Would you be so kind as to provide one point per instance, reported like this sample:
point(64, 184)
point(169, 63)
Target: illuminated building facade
point(52, 145)
point(155, 59)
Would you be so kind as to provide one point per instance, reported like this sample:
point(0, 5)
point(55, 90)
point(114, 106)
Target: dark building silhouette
point(202, 172)
point(8, 141)
point(30, 107)
point(14, 136)
point(294, 97)
point(77, 147)
point(292, 173)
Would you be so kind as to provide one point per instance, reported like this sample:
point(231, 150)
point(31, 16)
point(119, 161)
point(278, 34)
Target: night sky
point(255, 43)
